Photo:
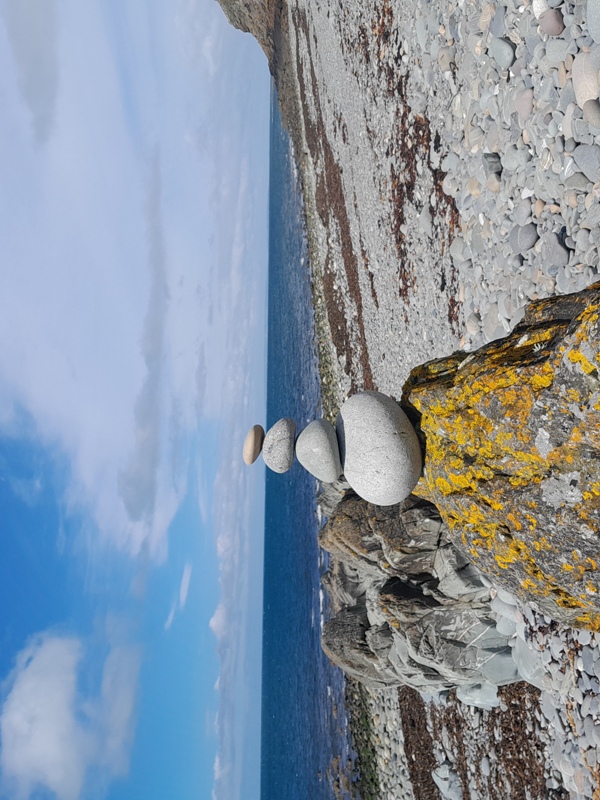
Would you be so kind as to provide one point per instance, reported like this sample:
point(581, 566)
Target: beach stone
point(587, 158)
point(380, 452)
point(318, 451)
point(539, 7)
point(591, 113)
point(556, 51)
point(278, 446)
point(585, 79)
point(522, 238)
point(253, 444)
point(551, 22)
point(593, 19)
point(503, 52)
point(553, 252)
point(524, 103)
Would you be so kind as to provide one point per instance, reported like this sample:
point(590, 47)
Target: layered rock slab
point(512, 442)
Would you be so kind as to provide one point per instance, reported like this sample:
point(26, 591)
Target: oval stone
point(585, 79)
point(318, 451)
point(551, 22)
point(380, 452)
point(278, 446)
point(253, 444)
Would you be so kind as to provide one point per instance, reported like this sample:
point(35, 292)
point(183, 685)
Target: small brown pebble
point(253, 444)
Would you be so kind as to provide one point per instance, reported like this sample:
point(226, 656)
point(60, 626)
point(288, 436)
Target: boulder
point(379, 449)
point(512, 441)
point(318, 451)
point(253, 444)
point(278, 446)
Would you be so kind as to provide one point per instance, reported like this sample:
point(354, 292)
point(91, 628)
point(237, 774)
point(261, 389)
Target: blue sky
point(133, 249)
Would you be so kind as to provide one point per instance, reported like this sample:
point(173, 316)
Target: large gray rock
point(318, 451)
point(380, 451)
point(278, 447)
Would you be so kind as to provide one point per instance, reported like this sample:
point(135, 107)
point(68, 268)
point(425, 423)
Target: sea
point(303, 718)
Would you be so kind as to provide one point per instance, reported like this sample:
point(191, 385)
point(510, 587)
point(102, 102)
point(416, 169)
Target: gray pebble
point(522, 238)
point(593, 18)
point(278, 446)
point(553, 252)
point(318, 451)
point(551, 22)
point(503, 52)
point(587, 158)
point(591, 113)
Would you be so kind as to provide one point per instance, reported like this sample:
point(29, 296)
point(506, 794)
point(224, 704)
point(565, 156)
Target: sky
point(134, 155)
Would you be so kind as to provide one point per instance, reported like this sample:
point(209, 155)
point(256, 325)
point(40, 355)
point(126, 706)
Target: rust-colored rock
point(512, 439)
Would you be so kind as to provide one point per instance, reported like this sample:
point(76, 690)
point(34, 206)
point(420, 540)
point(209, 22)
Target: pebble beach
point(450, 160)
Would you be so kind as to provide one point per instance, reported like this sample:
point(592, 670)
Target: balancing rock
point(318, 451)
point(278, 447)
point(380, 452)
point(253, 444)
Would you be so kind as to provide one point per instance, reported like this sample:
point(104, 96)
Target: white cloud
point(31, 26)
point(52, 735)
point(184, 587)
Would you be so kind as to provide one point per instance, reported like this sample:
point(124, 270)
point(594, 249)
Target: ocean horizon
point(303, 723)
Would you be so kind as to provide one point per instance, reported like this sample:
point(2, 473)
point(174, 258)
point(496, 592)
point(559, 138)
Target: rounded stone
point(593, 19)
point(524, 103)
point(585, 79)
point(551, 22)
point(278, 446)
point(380, 452)
point(503, 52)
point(253, 444)
point(522, 238)
point(318, 451)
point(591, 113)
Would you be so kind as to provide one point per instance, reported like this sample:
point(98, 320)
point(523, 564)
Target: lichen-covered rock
point(512, 454)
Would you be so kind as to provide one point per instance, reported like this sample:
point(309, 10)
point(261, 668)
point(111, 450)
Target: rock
point(553, 251)
point(503, 52)
point(524, 103)
point(585, 79)
point(512, 437)
point(591, 113)
point(415, 613)
point(253, 444)
point(380, 452)
point(257, 17)
point(593, 19)
point(278, 446)
point(318, 452)
point(551, 22)
point(587, 158)
point(539, 7)
point(522, 238)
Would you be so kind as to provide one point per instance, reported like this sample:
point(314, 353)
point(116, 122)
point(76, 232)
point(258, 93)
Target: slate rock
point(278, 446)
point(522, 238)
point(253, 444)
point(318, 451)
point(587, 158)
point(553, 251)
point(380, 452)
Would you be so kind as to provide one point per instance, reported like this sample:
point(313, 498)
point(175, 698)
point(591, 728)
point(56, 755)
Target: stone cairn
point(373, 444)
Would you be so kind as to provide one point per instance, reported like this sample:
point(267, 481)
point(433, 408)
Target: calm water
point(299, 732)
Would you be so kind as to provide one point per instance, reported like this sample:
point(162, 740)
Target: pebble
point(379, 449)
point(524, 103)
point(503, 52)
point(591, 113)
point(522, 238)
point(593, 19)
point(318, 452)
point(551, 22)
point(278, 446)
point(553, 252)
point(585, 79)
point(587, 158)
point(253, 444)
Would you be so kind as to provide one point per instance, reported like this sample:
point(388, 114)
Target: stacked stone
point(373, 444)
